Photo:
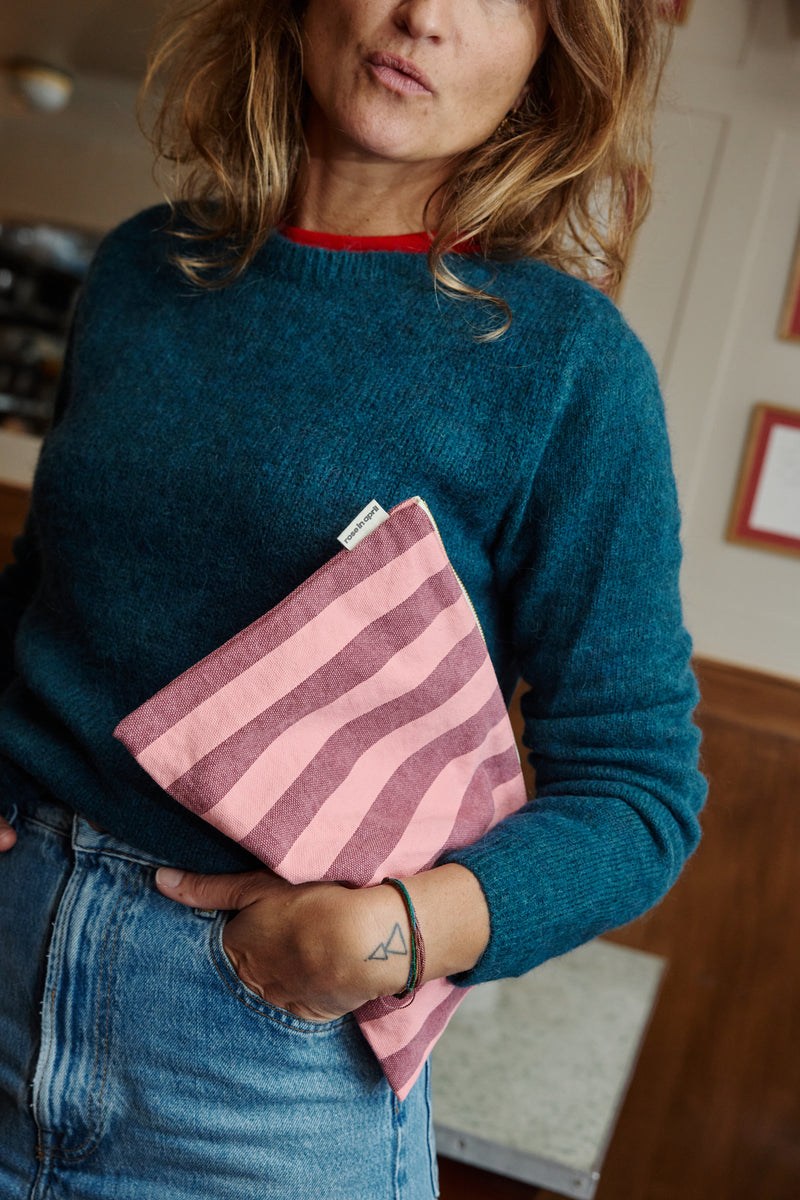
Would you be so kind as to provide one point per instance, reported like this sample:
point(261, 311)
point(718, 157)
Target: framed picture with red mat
point(766, 507)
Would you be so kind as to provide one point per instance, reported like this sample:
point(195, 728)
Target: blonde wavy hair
point(565, 179)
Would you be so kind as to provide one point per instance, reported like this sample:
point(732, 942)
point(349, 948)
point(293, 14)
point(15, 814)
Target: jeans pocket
point(251, 999)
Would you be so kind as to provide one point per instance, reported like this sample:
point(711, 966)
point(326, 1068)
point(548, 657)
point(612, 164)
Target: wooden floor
point(459, 1182)
point(713, 1112)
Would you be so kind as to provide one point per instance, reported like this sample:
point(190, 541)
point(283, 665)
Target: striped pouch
point(354, 731)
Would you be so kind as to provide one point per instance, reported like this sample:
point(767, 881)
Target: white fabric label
point(368, 519)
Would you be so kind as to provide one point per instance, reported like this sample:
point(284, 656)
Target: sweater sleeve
point(20, 578)
point(597, 628)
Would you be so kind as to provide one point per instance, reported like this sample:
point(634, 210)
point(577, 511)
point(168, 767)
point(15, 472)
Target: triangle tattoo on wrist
point(396, 944)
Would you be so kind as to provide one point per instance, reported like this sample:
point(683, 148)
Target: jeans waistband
point(47, 811)
point(53, 814)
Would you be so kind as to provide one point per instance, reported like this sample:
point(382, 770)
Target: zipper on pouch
point(418, 500)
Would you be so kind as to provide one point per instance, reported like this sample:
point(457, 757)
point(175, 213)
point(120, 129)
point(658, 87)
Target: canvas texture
point(355, 731)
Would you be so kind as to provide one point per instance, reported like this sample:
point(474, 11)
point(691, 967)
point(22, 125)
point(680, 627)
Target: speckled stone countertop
point(530, 1075)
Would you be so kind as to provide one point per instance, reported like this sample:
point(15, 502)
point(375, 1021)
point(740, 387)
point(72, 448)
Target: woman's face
point(415, 80)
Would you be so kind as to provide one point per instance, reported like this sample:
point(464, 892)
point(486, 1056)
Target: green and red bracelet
point(417, 967)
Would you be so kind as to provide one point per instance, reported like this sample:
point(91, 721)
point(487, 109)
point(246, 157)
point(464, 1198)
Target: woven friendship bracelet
point(417, 967)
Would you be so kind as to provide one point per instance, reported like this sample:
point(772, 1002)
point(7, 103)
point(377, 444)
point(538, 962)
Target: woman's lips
point(399, 75)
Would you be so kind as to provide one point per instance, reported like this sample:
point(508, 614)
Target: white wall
point(704, 290)
point(88, 165)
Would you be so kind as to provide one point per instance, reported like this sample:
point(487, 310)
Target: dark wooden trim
point(730, 693)
point(14, 503)
point(742, 696)
point(14, 492)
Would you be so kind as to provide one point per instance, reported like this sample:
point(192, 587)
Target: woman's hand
point(321, 949)
point(305, 947)
point(7, 836)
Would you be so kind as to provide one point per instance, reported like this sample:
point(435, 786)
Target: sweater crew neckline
point(408, 243)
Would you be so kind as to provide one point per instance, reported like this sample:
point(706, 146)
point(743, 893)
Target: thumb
point(8, 835)
point(207, 891)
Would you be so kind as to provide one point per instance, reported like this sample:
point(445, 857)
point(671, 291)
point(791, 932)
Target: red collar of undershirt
point(410, 243)
point(418, 243)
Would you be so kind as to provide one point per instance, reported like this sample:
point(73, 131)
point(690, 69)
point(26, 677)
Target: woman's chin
point(397, 146)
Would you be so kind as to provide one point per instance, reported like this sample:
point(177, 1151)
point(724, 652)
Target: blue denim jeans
point(134, 1064)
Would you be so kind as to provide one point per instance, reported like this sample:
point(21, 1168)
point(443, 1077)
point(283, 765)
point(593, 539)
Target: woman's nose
point(426, 18)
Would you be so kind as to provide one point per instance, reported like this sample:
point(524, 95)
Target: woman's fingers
point(233, 891)
point(7, 836)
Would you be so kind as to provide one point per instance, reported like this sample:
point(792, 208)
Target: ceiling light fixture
point(42, 88)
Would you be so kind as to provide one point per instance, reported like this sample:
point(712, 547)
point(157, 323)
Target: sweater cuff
point(494, 962)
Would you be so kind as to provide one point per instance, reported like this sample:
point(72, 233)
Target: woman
point(243, 377)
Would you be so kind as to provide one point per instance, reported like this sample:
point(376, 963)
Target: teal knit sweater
point(210, 445)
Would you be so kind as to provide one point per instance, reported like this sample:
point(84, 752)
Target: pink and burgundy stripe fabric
point(355, 731)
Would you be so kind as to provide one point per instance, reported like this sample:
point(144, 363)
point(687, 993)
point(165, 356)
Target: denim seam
point(136, 881)
point(398, 1174)
point(139, 860)
point(26, 819)
point(54, 958)
point(432, 1163)
point(11, 814)
point(79, 1152)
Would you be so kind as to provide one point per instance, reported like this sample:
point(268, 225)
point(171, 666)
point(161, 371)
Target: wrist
point(381, 946)
point(453, 916)
point(416, 942)
point(362, 938)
